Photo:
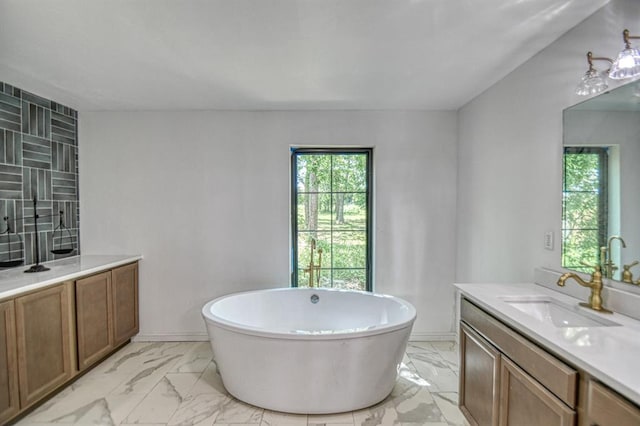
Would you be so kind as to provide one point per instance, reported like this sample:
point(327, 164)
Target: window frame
point(603, 197)
point(295, 151)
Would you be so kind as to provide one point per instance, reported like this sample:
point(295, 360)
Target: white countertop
point(610, 354)
point(15, 281)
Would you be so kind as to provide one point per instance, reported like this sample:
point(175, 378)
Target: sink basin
point(556, 313)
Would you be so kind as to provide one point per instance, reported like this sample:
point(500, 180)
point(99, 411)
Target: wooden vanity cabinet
point(94, 318)
point(45, 339)
point(48, 336)
point(9, 397)
point(524, 401)
point(125, 302)
point(107, 312)
point(479, 378)
point(606, 408)
point(505, 380)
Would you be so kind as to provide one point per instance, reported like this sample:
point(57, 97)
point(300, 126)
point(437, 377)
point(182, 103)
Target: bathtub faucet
point(314, 269)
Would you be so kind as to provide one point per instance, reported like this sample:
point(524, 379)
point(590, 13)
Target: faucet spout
point(564, 277)
point(595, 298)
point(609, 266)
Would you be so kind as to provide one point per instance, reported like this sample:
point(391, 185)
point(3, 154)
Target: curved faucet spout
point(595, 298)
point(609, 266)
point(615, 237)
point(566, 276)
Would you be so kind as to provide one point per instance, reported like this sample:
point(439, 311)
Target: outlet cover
point(548, 240)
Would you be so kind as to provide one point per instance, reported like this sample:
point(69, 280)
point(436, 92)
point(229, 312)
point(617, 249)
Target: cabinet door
point(44, 335)
point(606, 408)
point(125, 302)
point(9, 404)
point(479, 378)
point(524, 401)
point(93, 312)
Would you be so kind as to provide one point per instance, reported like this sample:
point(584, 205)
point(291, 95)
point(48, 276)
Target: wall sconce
point(627, 65)
point(593, 81)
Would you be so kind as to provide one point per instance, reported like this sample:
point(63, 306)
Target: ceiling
point(273, 54)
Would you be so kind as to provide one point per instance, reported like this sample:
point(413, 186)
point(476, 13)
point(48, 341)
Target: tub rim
point(236, 327)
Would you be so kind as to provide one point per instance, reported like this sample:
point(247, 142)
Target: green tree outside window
point(331, 202)
point(584, 206)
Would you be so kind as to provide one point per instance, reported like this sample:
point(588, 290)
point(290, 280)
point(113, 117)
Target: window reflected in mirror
point(585, 218)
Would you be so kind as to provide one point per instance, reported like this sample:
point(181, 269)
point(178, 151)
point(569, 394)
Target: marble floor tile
point(331, 419)
point(138, 356)
point(198, 410)
point(449, 352)
point(383, 414)
point(177, 383)
point(145, 380)
point(330, 424)
point(108, 410)
point(195, 359)
point(234, 411)
point(434, 370)
point(425, 424)
point(448, 404)
point(417, 347)
point(444, 346)
point(417, 407)
point(25, 423)
point(233, 424)
point(451, 359)
point(209, 382)
point(274, 418)
point(164, 399)
point(146, 424)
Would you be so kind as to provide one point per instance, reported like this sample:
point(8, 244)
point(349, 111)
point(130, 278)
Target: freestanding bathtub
point(310, 351)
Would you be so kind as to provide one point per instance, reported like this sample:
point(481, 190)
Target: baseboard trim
point(170, 337)
point(201, 337)
point(431, 337)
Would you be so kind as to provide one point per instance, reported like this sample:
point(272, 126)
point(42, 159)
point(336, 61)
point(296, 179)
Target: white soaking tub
point(312, 351)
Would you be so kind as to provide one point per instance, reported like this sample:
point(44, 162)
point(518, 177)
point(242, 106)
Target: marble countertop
point(15, 281)
point(610, 354)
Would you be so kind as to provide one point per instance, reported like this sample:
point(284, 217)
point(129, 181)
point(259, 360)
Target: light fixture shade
point(627, 65)
point(592, 82)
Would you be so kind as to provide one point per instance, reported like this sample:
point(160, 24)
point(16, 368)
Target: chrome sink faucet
point(595, 298)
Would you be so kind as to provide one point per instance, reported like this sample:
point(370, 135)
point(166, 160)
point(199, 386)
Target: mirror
point(601, 184)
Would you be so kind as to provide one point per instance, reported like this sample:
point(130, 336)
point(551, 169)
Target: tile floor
point(176, 383)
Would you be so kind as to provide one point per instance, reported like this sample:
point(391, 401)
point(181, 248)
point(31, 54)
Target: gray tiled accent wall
point(38, 157)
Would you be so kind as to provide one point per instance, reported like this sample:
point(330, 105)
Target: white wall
point(510, 158)
point(204, 197)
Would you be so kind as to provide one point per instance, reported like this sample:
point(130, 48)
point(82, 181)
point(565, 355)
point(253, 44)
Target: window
point(584, 206)
point(331, 218)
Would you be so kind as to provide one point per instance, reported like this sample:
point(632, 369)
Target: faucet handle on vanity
point(627, 276)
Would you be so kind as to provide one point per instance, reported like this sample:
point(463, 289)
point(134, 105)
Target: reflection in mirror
point(601, 184)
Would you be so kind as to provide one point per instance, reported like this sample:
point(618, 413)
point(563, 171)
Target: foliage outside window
point(331, 205)
point(584, 206)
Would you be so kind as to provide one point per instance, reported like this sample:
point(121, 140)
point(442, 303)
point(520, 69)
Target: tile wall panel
point(38, 158)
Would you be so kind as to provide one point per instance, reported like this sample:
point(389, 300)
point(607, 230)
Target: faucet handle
point(627, 276)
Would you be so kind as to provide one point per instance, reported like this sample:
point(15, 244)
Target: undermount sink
point(556, 313)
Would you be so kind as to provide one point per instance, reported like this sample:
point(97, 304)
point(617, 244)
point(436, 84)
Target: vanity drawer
point(607, 408)
point(556, 376)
